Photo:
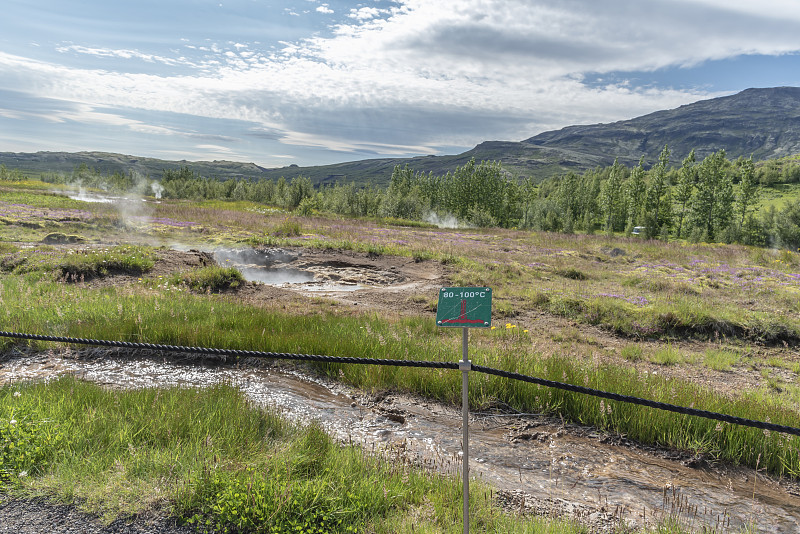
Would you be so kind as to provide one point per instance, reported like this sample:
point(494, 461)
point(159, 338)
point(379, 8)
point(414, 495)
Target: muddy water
point(540, 460)
point(277, 267)
point(302, 272)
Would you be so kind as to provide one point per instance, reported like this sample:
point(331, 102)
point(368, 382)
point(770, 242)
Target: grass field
point(209, 457)
point(623, 308)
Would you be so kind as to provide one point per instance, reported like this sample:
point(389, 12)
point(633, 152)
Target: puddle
point(536, 459)
point(301, 271)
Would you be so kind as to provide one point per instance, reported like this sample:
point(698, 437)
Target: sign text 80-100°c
point(464, 307)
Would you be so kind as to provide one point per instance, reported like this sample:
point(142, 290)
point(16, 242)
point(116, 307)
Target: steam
point(157, 189)
point(445, 221)
point(85, 196)
point(257, 266)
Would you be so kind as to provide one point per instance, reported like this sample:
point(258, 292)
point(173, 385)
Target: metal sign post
point(465, 307)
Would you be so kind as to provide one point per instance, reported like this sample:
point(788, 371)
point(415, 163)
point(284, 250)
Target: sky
point(312, 82)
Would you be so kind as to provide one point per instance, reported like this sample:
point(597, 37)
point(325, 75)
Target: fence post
point(465, 365)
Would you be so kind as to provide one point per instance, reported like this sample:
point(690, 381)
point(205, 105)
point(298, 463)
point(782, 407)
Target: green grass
point(668, 355)
point(39, 198)
point(288, 227)
point(80, 264)
point(212, 279)
point(721, 360)
point(211, 458)
point(179, 318)
point(674, 316)
point(778, 195)
point(632, 353)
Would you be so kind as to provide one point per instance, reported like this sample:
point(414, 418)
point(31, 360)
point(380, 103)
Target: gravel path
point(37, 516)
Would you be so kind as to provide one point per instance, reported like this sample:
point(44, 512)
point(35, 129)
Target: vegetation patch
point(572, 274)
point(178, 318)
point(288, 227)
point(211, 279)
point(721, 360)
point(74, 265)
point(212, 459)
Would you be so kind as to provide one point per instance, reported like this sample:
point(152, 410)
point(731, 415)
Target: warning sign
point(465, 307)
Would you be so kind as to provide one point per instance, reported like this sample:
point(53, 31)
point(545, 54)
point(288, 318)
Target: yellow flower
point(494, 327)
point(525, 331)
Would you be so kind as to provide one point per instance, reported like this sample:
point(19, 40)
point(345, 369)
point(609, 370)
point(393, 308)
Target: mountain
point(764, 123)
point(109, 163)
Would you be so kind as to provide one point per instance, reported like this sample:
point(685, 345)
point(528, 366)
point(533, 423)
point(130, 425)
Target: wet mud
point(537, 464)
point(307, 270)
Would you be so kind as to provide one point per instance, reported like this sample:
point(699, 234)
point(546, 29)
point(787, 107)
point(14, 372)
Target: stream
point(537, 463)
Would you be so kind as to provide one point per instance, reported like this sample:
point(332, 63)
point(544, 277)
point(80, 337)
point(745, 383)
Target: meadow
point(708, 325)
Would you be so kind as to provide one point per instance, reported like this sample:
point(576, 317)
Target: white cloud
point(14, 114)
point(419, 74)
point(342, 145)
point(366, 13)
point(121, 54)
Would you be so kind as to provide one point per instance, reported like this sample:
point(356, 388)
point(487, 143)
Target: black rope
point(234, 352)
point(641, 402)
point(416, 363)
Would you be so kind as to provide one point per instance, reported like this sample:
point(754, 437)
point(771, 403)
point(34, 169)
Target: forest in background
point(712, 200)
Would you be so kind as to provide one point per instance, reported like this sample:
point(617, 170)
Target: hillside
point(764, 123)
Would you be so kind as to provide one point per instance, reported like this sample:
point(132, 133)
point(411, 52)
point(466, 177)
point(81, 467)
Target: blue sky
point(313, 82)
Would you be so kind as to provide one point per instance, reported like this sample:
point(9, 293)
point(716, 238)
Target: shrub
point(210, 279)
point(571, 273)
point(288, 228)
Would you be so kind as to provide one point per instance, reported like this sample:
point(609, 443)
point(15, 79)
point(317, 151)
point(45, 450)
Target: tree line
point(714, 200)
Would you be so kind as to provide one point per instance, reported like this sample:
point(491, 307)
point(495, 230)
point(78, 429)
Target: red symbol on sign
point(462, 319)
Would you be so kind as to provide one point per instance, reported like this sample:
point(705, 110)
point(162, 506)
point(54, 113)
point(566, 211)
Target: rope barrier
point(234, 352)
point(763, 425)
point(641, 402)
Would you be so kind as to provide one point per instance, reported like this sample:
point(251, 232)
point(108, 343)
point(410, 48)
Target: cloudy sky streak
point(312, 82)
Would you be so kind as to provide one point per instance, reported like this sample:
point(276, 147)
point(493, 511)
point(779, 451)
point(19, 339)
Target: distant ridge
point(764, 123)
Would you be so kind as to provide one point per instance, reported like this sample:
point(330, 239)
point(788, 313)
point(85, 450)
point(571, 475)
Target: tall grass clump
point(721, 360)
point(212, 279)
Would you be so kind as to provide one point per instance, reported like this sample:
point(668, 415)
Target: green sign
point(465, 307)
